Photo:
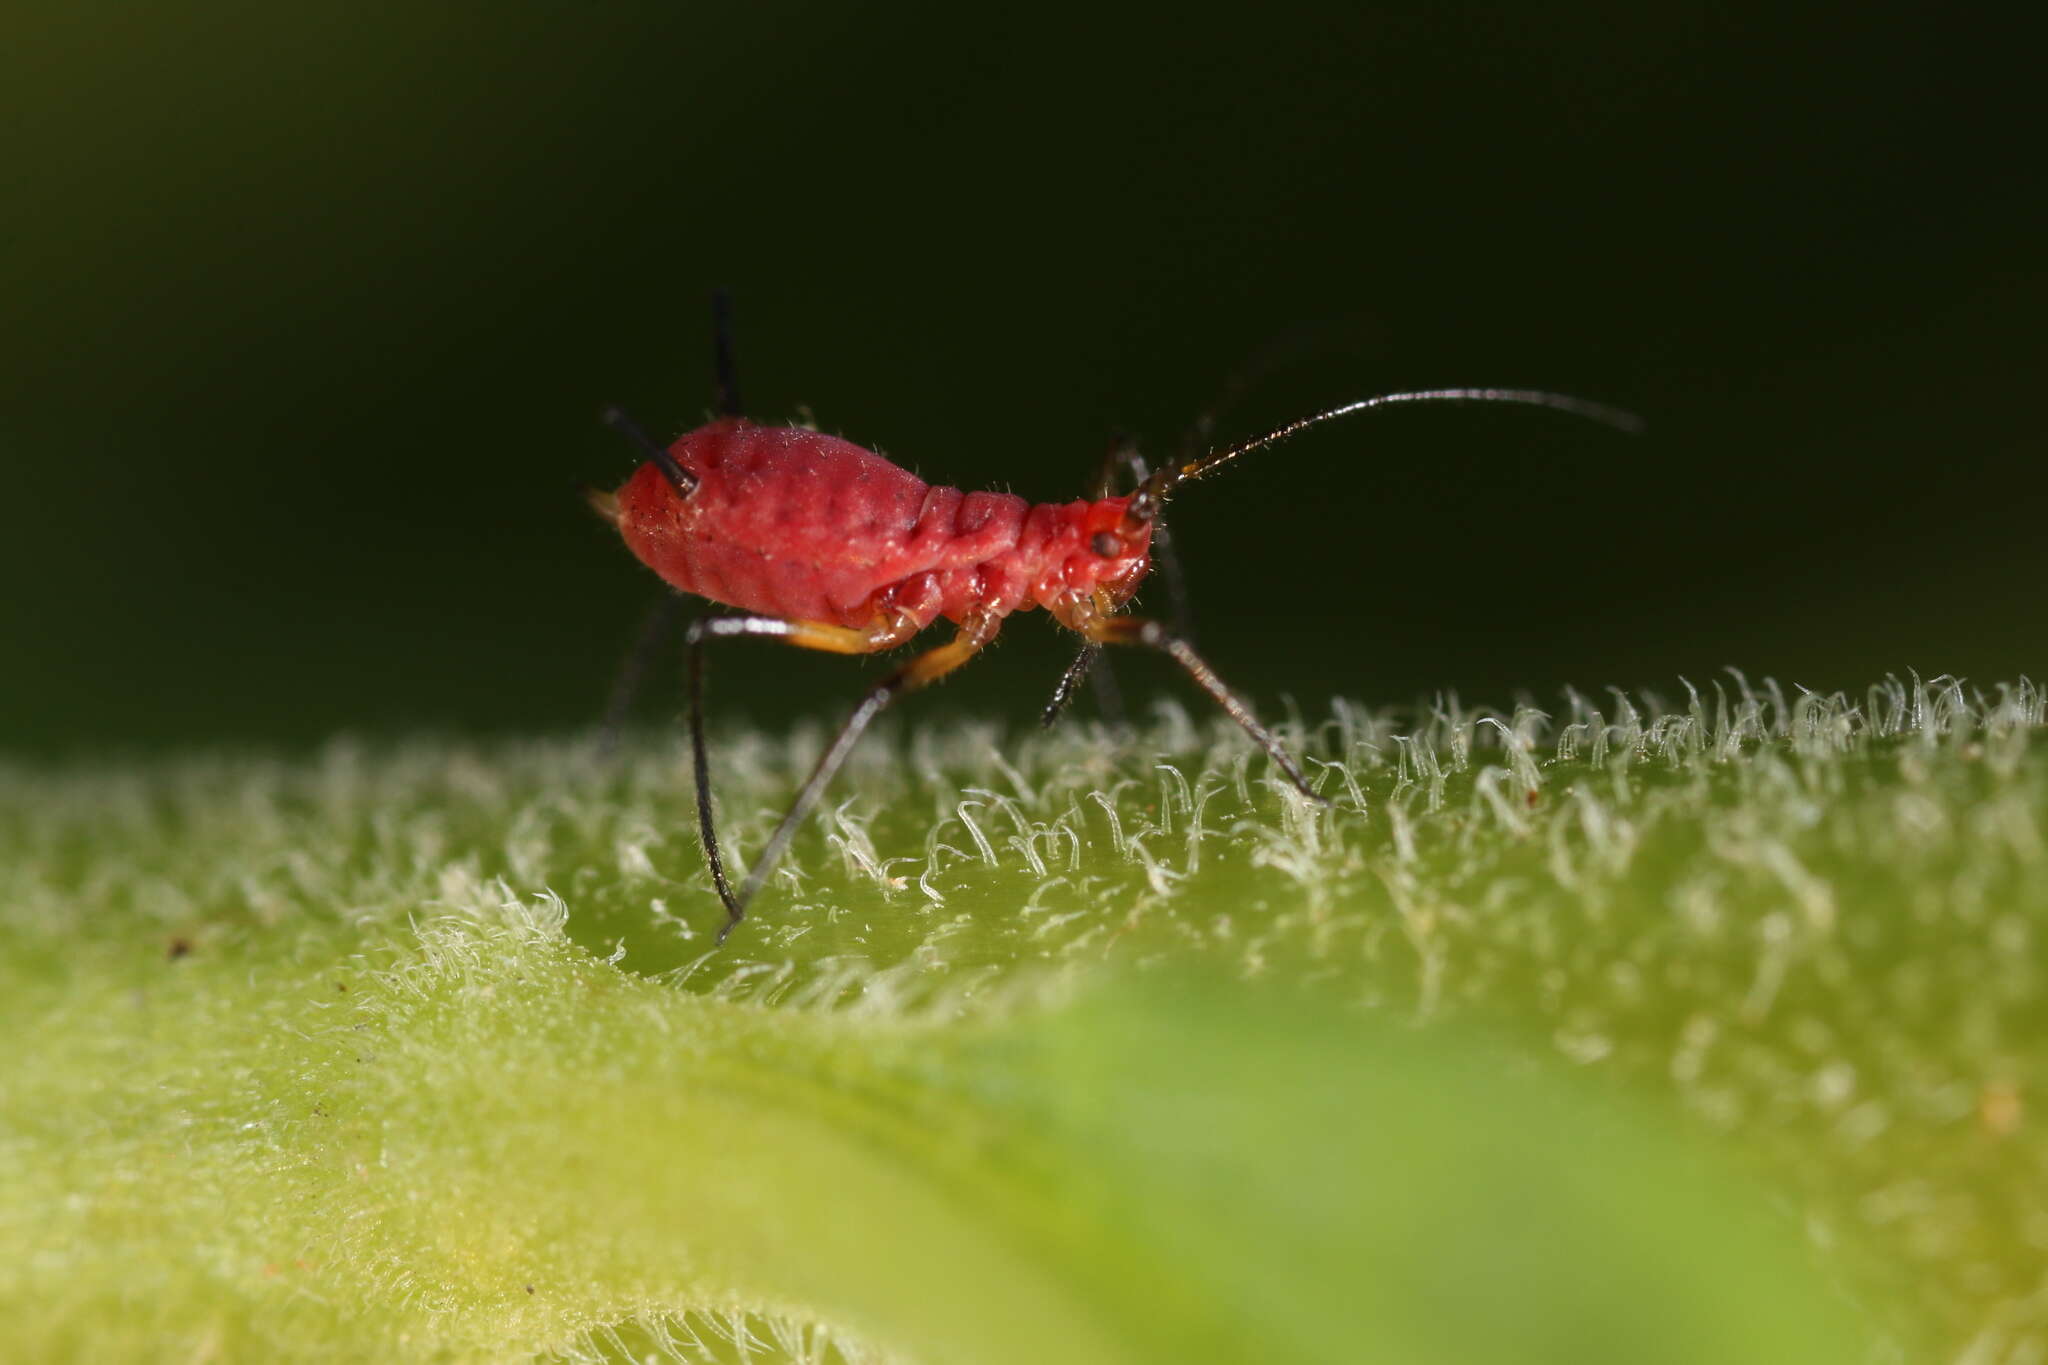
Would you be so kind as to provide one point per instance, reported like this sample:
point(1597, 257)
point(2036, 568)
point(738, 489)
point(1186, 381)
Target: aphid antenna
point(1144, 504)
point(685, 482)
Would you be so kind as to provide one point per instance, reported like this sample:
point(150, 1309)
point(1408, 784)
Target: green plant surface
point(1697, 1031)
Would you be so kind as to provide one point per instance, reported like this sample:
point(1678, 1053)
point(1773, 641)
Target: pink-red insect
point(824, 545)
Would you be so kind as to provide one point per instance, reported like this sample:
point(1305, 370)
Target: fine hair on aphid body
point(825, 545)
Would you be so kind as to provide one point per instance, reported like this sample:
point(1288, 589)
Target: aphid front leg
point(1136, 630)
point(1077, 671)
point(1123, 457)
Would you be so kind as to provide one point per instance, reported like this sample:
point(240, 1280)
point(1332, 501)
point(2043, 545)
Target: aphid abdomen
point(784, 521)
point(970, 541)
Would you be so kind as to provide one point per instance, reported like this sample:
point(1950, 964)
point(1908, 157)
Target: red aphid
point(835, 548)
point(803, 526)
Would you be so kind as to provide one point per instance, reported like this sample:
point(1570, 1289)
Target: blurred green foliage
point(1552, 1040)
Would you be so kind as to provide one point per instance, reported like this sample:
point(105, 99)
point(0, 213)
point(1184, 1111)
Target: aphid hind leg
point(890, 630)
point(662, 618)
point(1136, 630)
point(656, 628)
point(922, 671)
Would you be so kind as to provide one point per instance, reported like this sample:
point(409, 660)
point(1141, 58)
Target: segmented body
point(799, 525)
point(826, 546)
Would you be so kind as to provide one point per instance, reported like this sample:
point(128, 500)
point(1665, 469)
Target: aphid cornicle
point(828, 546)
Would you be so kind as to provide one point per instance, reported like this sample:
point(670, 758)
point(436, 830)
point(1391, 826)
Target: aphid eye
point(1105, 544)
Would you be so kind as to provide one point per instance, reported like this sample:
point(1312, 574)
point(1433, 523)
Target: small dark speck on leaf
point(179, 947)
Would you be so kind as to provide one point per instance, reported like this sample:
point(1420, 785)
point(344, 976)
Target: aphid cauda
point(824, 545)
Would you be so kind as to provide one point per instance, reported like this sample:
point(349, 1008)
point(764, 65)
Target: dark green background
point(308, 319)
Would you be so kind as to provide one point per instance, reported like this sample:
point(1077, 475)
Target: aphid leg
point(892, 629)
point(1122, 455)
point(1063, 692)
point(726, 396)
point(1136, 630)
point(656, 627)
point(803, 634)
point(925, 669)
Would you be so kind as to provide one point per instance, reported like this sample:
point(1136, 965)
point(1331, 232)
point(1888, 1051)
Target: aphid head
point(1143, 508)
point(1116, 549)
